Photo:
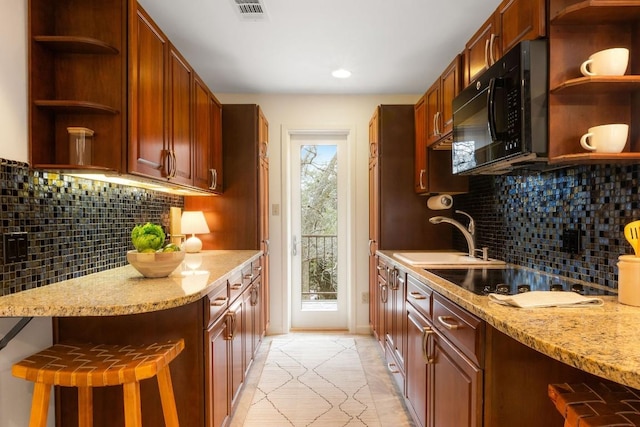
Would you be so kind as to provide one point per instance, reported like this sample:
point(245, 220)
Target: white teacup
point(608, 62)
point(606, 138)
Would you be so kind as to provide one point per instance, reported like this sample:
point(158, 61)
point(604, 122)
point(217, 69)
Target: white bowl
point(155, 264)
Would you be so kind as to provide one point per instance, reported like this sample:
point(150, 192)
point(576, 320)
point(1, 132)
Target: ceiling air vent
point(250, 10)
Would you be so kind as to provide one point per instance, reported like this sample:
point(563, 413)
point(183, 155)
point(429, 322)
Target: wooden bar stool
point(98, 365)
point(597, 404)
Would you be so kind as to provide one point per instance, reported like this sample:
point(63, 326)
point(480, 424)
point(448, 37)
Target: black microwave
point(500, 120)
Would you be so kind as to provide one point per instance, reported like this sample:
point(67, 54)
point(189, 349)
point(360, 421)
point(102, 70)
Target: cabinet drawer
point(419, 295)
point(216, 302)
point(462, 328)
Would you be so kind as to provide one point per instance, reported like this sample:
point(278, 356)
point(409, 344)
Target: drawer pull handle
point(220, 301)
point(236, 286)
point(248, 276)
point(426, 333)
point(392, 368)
point(446, 322)
point(417, 295)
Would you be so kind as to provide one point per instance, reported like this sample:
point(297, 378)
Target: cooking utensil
point(632, 233)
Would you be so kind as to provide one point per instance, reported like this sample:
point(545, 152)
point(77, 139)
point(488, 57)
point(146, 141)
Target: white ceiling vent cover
point(250, 10)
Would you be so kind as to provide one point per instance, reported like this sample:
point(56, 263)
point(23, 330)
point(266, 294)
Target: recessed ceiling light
point(341, 73)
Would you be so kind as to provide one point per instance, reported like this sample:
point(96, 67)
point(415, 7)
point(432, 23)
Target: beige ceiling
point(390, 46)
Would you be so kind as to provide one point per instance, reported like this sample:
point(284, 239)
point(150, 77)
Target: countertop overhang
point(602, 340)
point(122, 290)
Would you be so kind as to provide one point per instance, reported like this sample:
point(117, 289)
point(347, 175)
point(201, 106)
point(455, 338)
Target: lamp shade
point(193, 222)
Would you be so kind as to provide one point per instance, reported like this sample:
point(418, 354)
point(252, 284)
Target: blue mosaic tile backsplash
point(522, 218)
point(75, 226)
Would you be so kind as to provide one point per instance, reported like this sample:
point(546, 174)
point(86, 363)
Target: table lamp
point(193, 222)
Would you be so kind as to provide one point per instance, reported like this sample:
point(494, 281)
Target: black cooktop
point(512, 280)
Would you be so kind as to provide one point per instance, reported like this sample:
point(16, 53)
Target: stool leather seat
point(98, 365)
point(597, 404)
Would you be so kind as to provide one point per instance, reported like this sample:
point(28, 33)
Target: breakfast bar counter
point(204, 302)
point(123, 290)
point(601, 340)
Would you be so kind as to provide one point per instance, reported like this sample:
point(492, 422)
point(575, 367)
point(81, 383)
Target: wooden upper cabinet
point(450, 83)
point(577, 29)
point(77, 73)
point(521, 20)
point(105, 65)
point(512, 22)
point(148, 57)
point(180, 125)
point(207, 139)
point(439, 104)
point(481, 50)
point(433, 112)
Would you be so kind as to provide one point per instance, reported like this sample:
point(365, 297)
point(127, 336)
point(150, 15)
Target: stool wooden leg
point(166, 396)
point(39, 405)
point(132, 409)
point(85, 407)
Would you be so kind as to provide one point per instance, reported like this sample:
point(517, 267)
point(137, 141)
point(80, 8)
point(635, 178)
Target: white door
point(319, 294)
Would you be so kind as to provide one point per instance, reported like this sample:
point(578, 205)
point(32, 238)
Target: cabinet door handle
point(371, 242)
point(426, 333)
point(417, 295)
point(486, 54)
point(393, 368)
point(384, 293)
point(218, 302)
point(230, 325)
point(446, 322)
point(421, 181)
point(266, 247)
point(493, 39)
point(173, 160)
point(393, 279)
point(214, 179)
point(437, 123)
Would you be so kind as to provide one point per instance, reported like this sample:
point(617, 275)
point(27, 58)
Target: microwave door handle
point(491, 113)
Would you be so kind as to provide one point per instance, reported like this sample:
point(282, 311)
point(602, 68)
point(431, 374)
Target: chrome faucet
point(468, 232)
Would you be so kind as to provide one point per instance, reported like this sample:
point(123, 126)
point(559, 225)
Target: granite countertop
point(602, 340)
point(123, 290)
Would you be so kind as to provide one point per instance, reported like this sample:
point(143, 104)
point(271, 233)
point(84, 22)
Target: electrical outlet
point(365, 297)
point(16, 247)
point(571, 241)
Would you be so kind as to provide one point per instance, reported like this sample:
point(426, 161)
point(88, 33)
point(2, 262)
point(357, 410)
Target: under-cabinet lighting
point(140, 183)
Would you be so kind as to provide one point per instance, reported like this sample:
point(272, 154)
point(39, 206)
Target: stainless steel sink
point(449, 259)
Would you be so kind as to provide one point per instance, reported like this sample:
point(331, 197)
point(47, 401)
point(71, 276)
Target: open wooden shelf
point(592, 158)
point(74, 44)
point(598, 12)
point(69, 106)
point(597, 84)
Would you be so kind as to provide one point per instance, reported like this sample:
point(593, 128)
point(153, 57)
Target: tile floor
point(342, 381)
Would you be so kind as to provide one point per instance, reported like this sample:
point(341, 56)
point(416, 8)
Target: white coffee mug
point(608, 62)
point(606, 138)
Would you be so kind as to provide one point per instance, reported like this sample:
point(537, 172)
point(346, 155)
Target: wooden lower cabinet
point(216, 377)
point(462, 372)
point(443, 388)
point(417, 366)
point(221, 337)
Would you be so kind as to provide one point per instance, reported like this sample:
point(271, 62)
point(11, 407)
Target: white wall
point(15, 394)
point(318, 112)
